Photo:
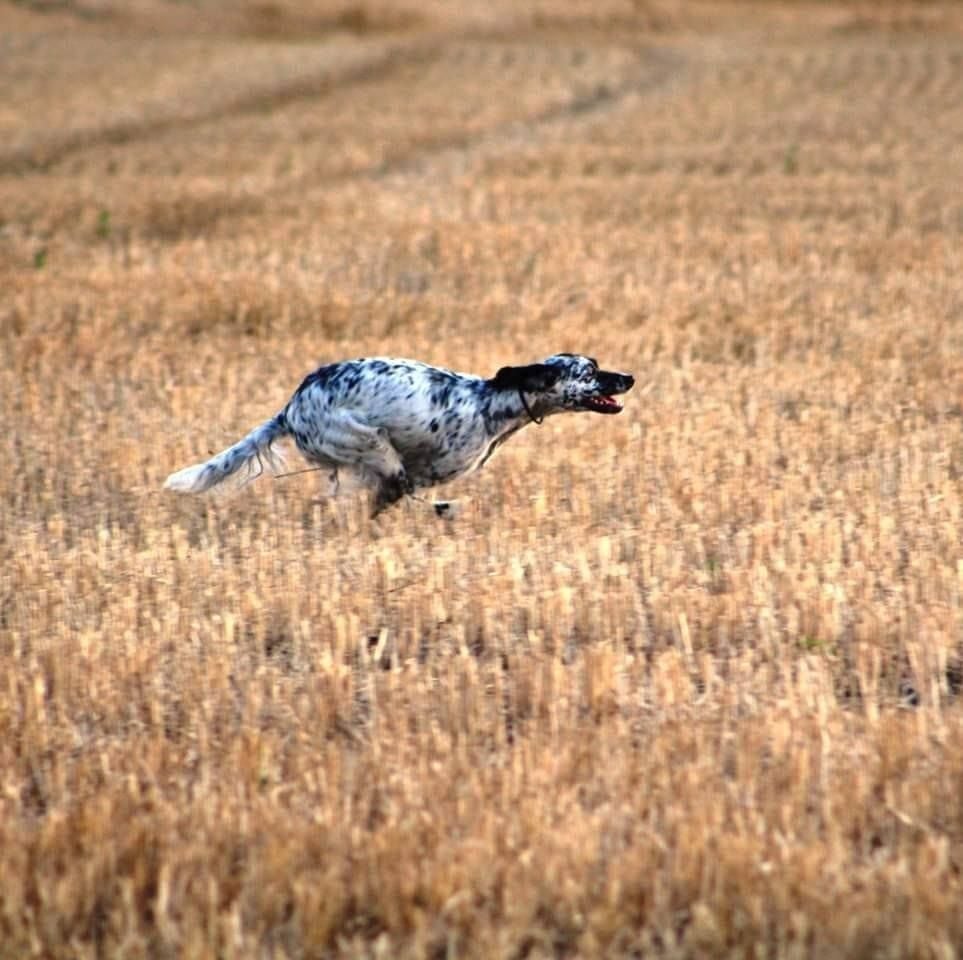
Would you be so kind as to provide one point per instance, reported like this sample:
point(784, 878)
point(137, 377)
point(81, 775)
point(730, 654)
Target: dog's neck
point(507, 411)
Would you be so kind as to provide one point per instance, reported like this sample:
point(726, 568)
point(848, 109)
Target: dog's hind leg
point(353, 444)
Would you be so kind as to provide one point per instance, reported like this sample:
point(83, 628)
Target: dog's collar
point(528, 410)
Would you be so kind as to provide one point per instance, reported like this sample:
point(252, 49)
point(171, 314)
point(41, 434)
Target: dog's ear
point(532, 379)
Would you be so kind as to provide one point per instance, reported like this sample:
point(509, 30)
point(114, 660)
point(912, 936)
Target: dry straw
point(683, 682)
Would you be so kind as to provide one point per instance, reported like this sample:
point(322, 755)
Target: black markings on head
point(533, 378)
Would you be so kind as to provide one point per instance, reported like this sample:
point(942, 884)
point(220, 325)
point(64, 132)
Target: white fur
point(242, 462)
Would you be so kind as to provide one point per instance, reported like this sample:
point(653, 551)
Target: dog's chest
point(444, 458)
point(438, 460)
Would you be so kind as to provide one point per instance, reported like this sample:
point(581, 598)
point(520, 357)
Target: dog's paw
point(449, 509)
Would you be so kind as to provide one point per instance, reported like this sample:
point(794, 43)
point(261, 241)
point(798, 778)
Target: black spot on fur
point(320, 377)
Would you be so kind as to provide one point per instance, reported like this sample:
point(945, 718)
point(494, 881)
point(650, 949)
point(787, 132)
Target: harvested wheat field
point(684, 682)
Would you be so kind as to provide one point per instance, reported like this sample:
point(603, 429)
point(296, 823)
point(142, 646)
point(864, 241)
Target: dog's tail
point(248, 455)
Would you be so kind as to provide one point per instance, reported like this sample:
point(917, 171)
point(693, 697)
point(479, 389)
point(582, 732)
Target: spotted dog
point(401, 425)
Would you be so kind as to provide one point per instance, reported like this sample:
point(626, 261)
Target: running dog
point(401, 425)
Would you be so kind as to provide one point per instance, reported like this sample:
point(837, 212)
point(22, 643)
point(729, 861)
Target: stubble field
point(683, 682)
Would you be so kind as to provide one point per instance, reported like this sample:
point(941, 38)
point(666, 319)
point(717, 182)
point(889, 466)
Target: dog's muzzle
point(610, 385)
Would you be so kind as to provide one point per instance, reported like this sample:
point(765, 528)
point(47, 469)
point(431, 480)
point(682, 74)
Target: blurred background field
point(683, 682)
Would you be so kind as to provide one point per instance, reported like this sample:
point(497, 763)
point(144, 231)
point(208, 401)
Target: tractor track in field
point(653, 70)
point(42, 157)
point(648, 68)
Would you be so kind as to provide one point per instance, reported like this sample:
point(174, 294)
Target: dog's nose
point(629, 380)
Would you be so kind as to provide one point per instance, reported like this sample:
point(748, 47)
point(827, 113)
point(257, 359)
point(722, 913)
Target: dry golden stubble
point(682, 682)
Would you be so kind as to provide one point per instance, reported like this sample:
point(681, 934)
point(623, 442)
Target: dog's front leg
point(390, 490)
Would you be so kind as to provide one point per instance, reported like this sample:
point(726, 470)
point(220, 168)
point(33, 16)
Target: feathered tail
point(249, 454)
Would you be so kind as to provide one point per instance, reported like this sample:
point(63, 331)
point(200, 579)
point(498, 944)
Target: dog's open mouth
point(603, 404)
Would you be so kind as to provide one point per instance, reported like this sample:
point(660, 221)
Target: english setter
point(401, 425)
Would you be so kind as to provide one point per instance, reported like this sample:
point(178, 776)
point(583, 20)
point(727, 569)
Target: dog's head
point(566, 381)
